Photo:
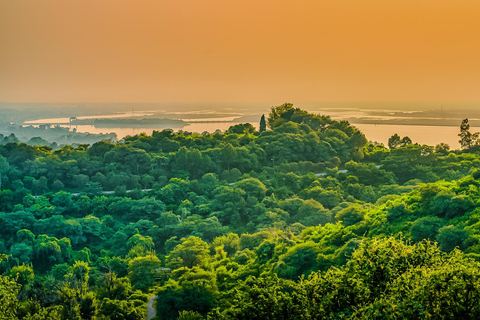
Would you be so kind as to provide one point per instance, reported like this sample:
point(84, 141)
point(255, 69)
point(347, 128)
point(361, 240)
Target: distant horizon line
point(235, 102)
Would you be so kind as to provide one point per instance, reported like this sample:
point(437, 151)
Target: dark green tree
point(467, 139)
point(405, 141)
point(280, 114)
point(395, 141)
point(192, 297)
point(263, 124)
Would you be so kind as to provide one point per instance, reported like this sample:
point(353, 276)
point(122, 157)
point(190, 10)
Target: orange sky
point(239, 51)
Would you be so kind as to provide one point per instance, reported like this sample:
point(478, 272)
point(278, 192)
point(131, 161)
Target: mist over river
point(427, 127)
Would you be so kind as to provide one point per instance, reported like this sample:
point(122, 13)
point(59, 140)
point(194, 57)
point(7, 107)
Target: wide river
point(430, 135)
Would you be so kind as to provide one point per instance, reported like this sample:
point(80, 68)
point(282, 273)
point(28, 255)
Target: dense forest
point(53, 136)
point(302, 219)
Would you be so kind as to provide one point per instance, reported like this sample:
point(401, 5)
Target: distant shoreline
point(130, 123)
point(415, 122)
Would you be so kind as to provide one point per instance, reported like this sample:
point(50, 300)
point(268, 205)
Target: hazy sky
point(243, 51)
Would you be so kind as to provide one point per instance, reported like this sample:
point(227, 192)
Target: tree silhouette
point(263, 124)
point(467, 139)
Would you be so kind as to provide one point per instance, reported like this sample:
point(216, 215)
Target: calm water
point(430, 135)
point(123, 132)
point(66, 120)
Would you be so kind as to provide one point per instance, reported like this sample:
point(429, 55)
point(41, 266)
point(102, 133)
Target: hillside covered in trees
point(304, 219)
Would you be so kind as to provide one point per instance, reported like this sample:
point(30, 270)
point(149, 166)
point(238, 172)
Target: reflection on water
point(430, 135)
point(67, 120)
point(123, 132)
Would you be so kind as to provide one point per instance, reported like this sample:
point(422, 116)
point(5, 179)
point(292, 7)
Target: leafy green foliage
point(272, 224)
point(385, 278)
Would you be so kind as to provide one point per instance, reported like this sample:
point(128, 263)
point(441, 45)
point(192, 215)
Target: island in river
point(130, 122)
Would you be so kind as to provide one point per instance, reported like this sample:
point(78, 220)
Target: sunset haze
point(239, 51)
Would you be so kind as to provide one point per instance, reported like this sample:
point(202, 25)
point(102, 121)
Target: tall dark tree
point(280, 114)
point(467, 139)
point(394, 141)
point(263, 123)
point(405, 141)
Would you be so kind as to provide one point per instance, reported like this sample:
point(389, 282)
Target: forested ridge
point(303, 220)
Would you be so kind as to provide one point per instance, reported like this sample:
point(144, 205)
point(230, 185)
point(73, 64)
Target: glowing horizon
point(248, 51)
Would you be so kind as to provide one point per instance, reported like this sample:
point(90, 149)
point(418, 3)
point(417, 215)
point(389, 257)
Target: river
point(430, 135)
